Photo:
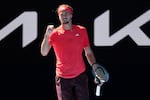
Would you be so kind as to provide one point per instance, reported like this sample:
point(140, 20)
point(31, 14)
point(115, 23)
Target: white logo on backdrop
point(102, 31)
point(28, 20)
point(102, 36)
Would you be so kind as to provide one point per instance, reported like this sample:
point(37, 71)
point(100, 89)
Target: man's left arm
point(89, 55)
point(100, 72)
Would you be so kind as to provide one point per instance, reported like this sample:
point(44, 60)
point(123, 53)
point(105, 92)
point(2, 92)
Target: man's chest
point(72, 38)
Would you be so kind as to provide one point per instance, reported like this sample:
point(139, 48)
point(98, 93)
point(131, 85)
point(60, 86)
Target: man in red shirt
point(69, 42)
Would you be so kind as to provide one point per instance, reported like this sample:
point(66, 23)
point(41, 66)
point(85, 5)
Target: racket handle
point(98, 90)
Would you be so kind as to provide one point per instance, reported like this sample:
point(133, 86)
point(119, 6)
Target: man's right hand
point(45, 46)
point(49, 30)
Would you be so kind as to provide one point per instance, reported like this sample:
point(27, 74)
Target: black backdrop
point(25, 74)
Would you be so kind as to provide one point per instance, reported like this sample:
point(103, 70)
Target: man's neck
point(67, 26)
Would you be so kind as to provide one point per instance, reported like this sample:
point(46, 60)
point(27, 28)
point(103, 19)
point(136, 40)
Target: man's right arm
point(45, 46)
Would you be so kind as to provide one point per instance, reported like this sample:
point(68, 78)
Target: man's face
point(65, 17)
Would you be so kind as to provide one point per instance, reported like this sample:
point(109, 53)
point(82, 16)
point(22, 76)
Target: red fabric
point(68, 46)
point(65, 8)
